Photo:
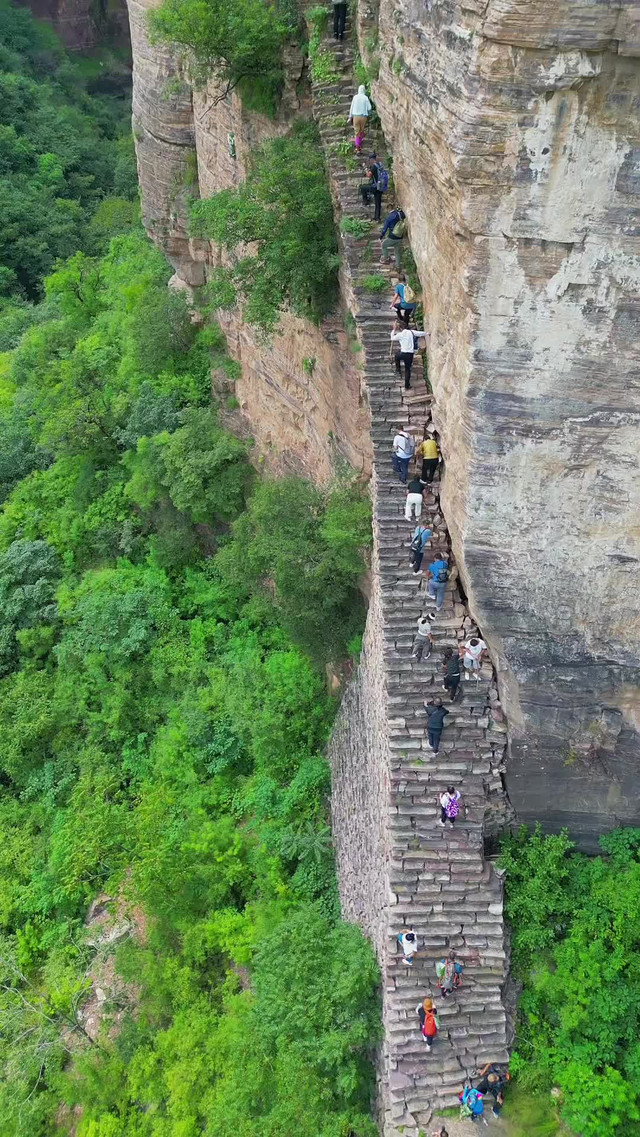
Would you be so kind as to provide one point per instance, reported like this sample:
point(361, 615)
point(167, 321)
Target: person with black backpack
point(451, 668)
point(393, 232)
point(436, 715)
point(375, 186)
point(418, 542)
point(439, 573)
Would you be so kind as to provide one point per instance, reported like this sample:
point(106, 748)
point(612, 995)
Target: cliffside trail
point(398, 868)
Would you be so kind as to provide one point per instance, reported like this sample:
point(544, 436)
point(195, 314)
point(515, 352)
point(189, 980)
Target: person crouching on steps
point(408, 941)
point(436, 714)
point(449, 806)
point(423, 642)
point(429, 1024)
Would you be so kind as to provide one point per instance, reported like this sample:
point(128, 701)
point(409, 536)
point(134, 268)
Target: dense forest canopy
point(166, 620)
point(65, 146)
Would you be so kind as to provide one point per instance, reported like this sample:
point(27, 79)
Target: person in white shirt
point(404, 337)
point(403, 451)
point(473, 651)
point(359, 111)
point(423, 641)
point(409, 943)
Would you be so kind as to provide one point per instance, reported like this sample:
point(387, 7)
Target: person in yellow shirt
point(430, 455)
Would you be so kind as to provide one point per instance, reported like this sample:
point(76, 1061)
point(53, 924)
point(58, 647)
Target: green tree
point(283, 208)
point(239, 46)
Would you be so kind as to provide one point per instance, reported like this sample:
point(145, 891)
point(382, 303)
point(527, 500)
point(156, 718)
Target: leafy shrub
point(576, 937)
point(164, 712)
point(323, 67)
point(374, 282)
point(309, 547)
point(202, 468)
point(355, 226)
point(235, 46)
point(284, 207)
point(61, 142)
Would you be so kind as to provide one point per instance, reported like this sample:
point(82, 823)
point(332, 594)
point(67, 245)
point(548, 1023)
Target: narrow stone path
point(438, 881)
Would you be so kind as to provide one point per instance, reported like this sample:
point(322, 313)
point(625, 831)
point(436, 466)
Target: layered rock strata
point(397, 867)
point(515, 130)
point(81, 24)
point(300, 395)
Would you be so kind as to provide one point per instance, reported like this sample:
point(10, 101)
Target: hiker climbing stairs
point(438, 880)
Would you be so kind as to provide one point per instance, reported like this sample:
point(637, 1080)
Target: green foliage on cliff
point(283, 209)
point(64, 146)
point(165, 621)
point(575, 924)
point(236, 45)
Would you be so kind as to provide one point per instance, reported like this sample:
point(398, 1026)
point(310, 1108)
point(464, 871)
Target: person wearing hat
point(427, 1015)
point(360, 110)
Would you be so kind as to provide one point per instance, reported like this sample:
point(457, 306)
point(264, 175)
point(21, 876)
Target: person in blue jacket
point(439, 575)
point(471, 1101)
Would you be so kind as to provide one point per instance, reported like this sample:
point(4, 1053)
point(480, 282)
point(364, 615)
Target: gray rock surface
point(515, 130)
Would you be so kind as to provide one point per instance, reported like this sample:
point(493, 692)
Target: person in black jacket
point(493, 1081)
point(436, 714)
point(369, 188)
point(395, 220)
point(451, 668)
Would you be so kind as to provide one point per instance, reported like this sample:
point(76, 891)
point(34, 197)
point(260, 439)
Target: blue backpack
point(382, 183)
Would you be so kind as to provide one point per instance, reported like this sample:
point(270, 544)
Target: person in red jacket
point(428, 1021)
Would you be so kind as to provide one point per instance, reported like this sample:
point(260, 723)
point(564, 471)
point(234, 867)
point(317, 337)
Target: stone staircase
point(438, 881)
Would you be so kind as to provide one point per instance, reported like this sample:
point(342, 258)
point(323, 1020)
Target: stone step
point(436, 878)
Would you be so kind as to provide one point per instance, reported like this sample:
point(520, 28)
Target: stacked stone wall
point(398, 868)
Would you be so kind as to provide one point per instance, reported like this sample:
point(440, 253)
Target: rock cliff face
point(515, 129)
point(82, 23)
point(300, 395)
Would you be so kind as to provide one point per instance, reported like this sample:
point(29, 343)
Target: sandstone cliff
point(516, 139)
point(301, 395)
point(515, 130)
point(81, 24)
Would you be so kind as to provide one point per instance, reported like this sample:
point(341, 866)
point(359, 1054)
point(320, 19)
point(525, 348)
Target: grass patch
point(374, 282)
point(323, 67)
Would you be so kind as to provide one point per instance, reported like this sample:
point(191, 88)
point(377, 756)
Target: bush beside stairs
point(439, 882)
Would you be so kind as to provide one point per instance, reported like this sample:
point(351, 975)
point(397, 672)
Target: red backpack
point(429, 1028)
